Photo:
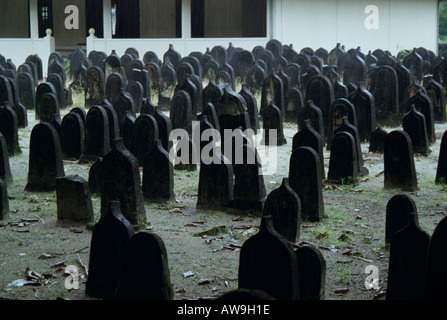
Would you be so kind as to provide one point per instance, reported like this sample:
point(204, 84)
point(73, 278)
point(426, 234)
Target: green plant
point(343, 275)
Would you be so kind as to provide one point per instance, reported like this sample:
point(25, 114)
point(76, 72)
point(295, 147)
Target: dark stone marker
point(97, 138)
point(314, 114)
point(377, 140)
point(73, 199)
point(424, 105)
point(49, 107)
point(122, 183)
point(145, 274)
point(340, 108)
point(441, 171)
point(109, 241)
point(158, 175)
point(340, 90)
point(10, 129)
point(252, 107)
point(42, 89)
point(272, 124)
point(181, 111)
point(164, 128)
point(311, 273)
point(94, 86)
point(127, 131)
point(215, 191)
point(72, 136)
point(434, 91)
point(45, 159)
point(210, 112)
point(145, 136)
point(398, 212)
point(407, 264)
point(27, 93)
point(343, 163)
point(56, 81)
point(399, 166)
point(284, 206)
point(5, 169)
point(321, 91)
point(384, 87)
point(272, 91)
point(81, 112)
point(267, 262)
point(115, 85)
point(185, 152)
point(294, 102)
point(305, 179)
point(365, 109)
point(135, 89)
point(414, 124)
point(436, 259)
point(95, 177)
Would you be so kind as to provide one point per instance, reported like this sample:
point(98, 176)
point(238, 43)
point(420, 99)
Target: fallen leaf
point(341, 290)
point(379, 173)
point(203, 281)
point(188, 274)
point(75, 230)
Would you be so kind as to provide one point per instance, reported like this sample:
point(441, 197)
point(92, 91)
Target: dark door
point(45, 11)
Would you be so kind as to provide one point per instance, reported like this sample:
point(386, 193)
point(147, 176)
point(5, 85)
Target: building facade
point(195, 25)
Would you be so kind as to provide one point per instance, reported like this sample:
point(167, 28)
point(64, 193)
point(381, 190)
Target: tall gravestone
point(398, 212)
point(97, 139)
point(145, 136)
point(340, 108)
point(365, 109)
point(72, 136)
point(94, 86)
point(414, 124)
point(343, 163)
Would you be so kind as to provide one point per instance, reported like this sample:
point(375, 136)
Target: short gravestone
point(399, 168)
point(267, 262)
point(4, 201)
point(27, 93)
point(414, 124)
point(94, 86)
point(343, 162)
point(158, 175)
point(424, 105)
point(56, 80)
point(377, 140)
point(294, 102)
point(284, 206)
point(311, 273)
point(122, 183)
point(136, 90)
point(407, 263)
point(72, 136)
point(97, 139)
point(339, 109)
point(49, 106)
point(108, 244)
point(384, 88)
point(73, 199)
point(321, 91)
point(145, 274)
point(314, 114)
point(210, 112)
point(181, 111)
point(305, 178)
point(273, 132)
point(272, 92)
point(42, 89)
point(45, 159)
point(398, 211)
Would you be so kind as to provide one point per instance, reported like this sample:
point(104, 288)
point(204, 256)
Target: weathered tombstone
point(10, 129)
point(354, 70)
point(154, 72)
point(135, 89)
point(127, 131)
point(158, 175)
point(5, 169)
point(267, 262)
point(284, 206)
point(109, 241)
point(384, 87)
point(168, 76)
point(142, 76)
point(424, 105)
point(57, 68)
point(73, 199)
point(294, 102)
point(4, 201)
point(364, 105)
point(255, 77)
point(414, 124)
point(79, 77)
point(72, 136)
point(398, 213)
point(272, 91)
point(404, 80)
point(407, 264)
point(272, 125)
point(147, 107)
point(340, 108)
point(311, 273)
point(181, 111)
point(434, 91)
point(232, 111)
point(145, 274)
point(252, 107)
point(42, 89)
point(112, 64)
point(348, 127)
point(145, 135)
point(122, 183)
point(293, 70)
point(436, 259)
point(56, 80)
point(414, 63)
point(341, 91)
point(124, 105)
point(97, 138)
point(45, 159)
point(309, 137)
point(210, 112)
point(164, 128)
point(173, 55)
point(115, 85)
point(215, 190)
point(305, 178)
point(17, 106)
point(49, 106)
point(310, 112)
point(343, 163)
point(27, 93)
point(94, 86)
point(321, 91)
point(38, 62)
point(377, 140)
point(399, 166)
point(211, 93)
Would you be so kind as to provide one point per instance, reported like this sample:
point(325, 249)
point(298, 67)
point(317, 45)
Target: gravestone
point(108, 244)
point(145, 135)
point(311, 273)
point(252, 107)
point(340, 108)
point(112, 117)
point(122, 183)
point(147, 107)
point(434, 280)
point(310, 112)
point(193, 91)
point(399, 166)
point(97, 138)
point(424, 105)
point(49, 107)
point(321, 91)
point(115, 85)
point(294, 102)
point(43, 88)
point(364, 104)
point(232, 111)
point(404, 79)
point(305, 178)
point(164, 128)
point(398, 213)
point(168, 76)
point(215, 190)
point(56, 80)
point(72, 136)
point(255, 77)
point(273, 127)
point(150, 56)
point(4, 201)
point(45, 159)
point(309, 137)
point(27, 93)
point(5, 168)
point(112, 64)
point(341, 91)
point(95, 177)
point(145, 274)
point(210, 112)
point(434, 91)
point(158, 175)
point(267, 262)
point(155, 78)
point(142, 76)
point(9, 128)
point(384, 87)
point(414, 63)
point(73, 199)
point(185, 153)
point(293, 70)
point(17, 106)
point(284, 206)
point(57, 68)
point(181, 111)
point(211, 93)
point(135, 89)
point(272, 92)
point(127, 131)
point(407, 264)
point(38, 62)
point(94, 86)
point(414, 124)
point(343, 162)
point(354, 70)
point(79, 77)
point(80, 111)
point(377, 140)
point(173, 55)
point(123, 105)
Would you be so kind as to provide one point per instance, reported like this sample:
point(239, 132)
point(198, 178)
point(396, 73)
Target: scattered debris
point(188, 274)
point(212, 232)
point(203, 281)
point(341, 290)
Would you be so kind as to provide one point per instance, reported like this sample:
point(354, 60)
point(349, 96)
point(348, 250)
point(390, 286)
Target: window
point(231, 18)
